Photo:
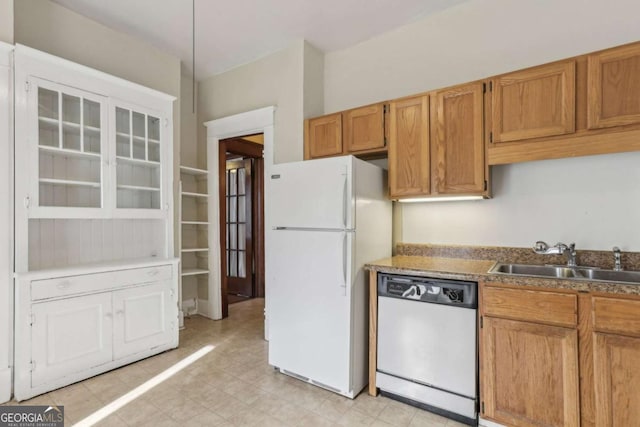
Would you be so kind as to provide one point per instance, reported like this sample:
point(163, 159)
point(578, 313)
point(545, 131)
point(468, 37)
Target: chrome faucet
point(542, 248)
point(617, 258)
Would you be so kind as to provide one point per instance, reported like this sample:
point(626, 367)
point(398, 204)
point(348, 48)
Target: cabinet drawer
point(89, 283)
point(535, 306)
point(616, 315)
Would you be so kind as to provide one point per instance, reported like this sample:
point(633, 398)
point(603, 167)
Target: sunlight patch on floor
point(112, 407)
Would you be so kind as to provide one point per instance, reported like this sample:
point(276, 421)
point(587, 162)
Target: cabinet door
point(145, 317)
point(363, 128)
point(139, 156)
point(534, 103)
point(325, 136)
point(70, 335)
point(614, 87)
point(530, 373)
point(409, 147)
point(616, 378)
point(457, 142)
point(67, 164)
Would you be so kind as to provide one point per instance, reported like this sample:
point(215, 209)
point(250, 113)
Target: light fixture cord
point(193, 54)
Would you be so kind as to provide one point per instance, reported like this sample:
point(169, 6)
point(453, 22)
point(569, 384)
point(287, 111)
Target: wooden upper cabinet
point(457, 142)
point(533, 103)
point(363, 128)
point(529, 374)
point(409, 147)
point(324, 136)
point(614, 87)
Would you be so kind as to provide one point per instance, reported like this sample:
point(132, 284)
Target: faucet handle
point(540, 247)
point(617, 258)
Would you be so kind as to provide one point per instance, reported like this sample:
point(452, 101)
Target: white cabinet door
point(145, 317)
point(70, 335)
point(138, 139)
point(67, 161)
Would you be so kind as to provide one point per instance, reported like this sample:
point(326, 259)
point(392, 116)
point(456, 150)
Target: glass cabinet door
point(138, 175)
point(70, 148)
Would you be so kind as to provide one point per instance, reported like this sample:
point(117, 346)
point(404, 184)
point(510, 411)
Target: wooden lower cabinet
point(616, 378)
point(530, 373)
point(579, 365)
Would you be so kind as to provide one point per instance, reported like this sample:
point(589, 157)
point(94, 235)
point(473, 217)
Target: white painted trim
point(6, 222)
point(486, 423)
point(256, 121)
point(87, 71)
point(5, 385)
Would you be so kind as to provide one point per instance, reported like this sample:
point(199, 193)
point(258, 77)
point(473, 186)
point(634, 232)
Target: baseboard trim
point(5, 385)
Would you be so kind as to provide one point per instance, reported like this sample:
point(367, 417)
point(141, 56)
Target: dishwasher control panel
point(438, 291)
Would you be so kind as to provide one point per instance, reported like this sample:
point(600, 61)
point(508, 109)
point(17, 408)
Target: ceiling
point(231, 33)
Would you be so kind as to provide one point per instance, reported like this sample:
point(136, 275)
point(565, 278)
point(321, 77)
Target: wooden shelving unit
point(194, 238)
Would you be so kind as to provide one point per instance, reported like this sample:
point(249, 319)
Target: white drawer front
point(89, 283)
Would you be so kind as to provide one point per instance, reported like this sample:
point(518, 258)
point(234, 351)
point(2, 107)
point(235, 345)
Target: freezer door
point(312, 194)
point(310, 305)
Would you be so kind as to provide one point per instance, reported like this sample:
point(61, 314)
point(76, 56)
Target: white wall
point(313, 81)
point(189, 153)
point(593, 201)
point(277, 80)
point(6, 21)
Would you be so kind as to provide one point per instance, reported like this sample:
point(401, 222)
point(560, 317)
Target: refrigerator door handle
point(344, 202)
point(344, 263)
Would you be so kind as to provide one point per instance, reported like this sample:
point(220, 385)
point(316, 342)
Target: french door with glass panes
point(239, 246)
point(69, 156)
point(138, 153)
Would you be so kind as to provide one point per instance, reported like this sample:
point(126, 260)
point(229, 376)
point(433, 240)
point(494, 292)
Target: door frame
point(247, 150)
point(251, 122)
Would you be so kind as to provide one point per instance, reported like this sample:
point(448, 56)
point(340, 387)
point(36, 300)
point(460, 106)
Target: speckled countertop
point(457, 264)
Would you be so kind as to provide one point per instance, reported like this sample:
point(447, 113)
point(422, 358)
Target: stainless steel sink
point(562, 272)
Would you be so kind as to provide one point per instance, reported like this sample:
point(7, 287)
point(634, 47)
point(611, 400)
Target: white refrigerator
point(326, 218)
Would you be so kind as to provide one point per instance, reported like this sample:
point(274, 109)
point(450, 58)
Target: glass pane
point(154, 151)
point(154, 128)
point(228, 259)
point(233, 238)
point(241, 179)
point(91, 117)
point(227, 184)
point(241, 267)
point(47, 103)
point(227, 236)
point(71, 109)
point(123, 133)
point(132, 198)
point(49, 127)
point(241, 236)
point(232, 181)
point(233, 264)
point(70, 122)
point(242, 210)
point(232, 209)
point(138, 125)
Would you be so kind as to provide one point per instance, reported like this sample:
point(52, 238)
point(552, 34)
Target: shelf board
point(193, 171)
point(69, 182)
point(194, 250)
point(148, 163)
point(137, 138)
point(54, 123)
point(195, 223)
point(193, 271)
point(70, 153)
point(137, 188)
point(185, 193)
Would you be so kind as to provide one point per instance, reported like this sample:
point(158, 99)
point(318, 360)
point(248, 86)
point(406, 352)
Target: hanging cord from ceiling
point(193, 55)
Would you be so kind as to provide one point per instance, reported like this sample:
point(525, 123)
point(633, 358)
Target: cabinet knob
point(64, 284)
point(108, 315)
point(120, 312)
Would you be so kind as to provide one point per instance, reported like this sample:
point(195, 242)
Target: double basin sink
point(564, 272)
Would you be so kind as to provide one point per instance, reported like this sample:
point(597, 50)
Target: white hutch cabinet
point(96, 279)
point(6, 222)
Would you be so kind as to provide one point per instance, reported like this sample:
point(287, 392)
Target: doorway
point(241, 180)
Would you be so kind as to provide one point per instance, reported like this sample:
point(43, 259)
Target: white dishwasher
point(427, 344)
